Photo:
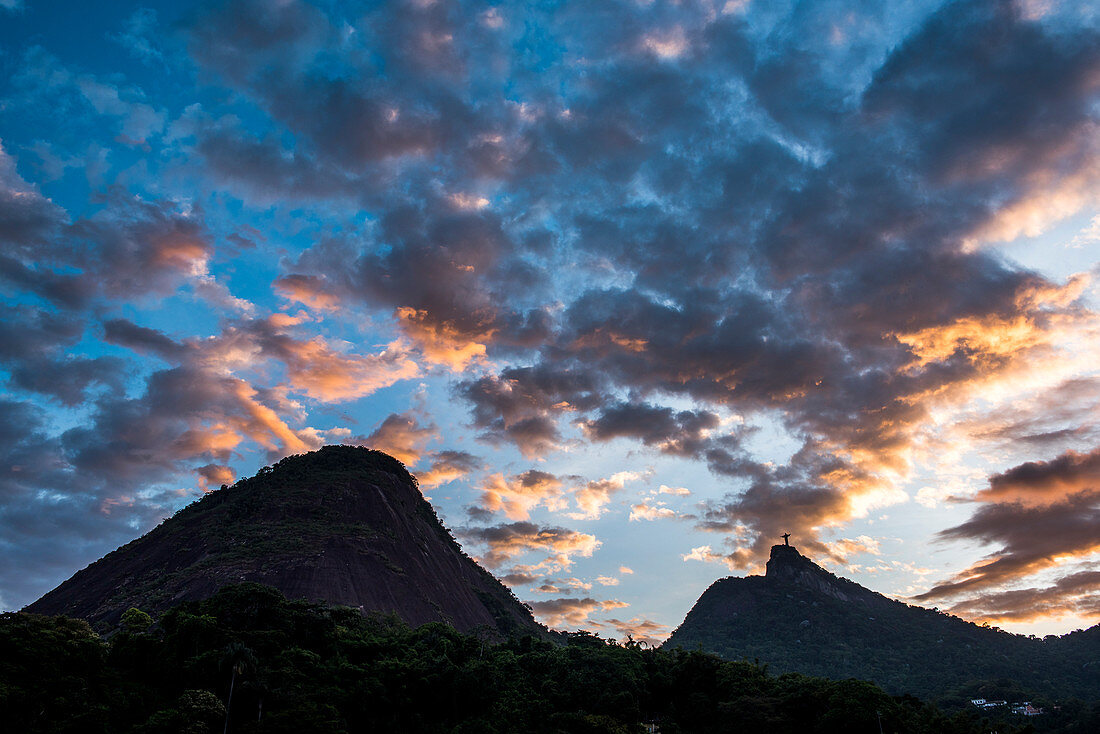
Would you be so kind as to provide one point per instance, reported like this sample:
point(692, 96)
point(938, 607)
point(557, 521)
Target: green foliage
point(135, 620)
point(903, 648)
point(299, 667)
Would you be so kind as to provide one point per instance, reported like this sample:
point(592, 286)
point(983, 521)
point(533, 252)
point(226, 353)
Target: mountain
point(344, 525)
point(799, 617)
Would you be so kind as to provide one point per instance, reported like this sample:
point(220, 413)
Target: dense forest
point(250, 660)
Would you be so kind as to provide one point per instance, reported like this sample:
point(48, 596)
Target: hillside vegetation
point(297, 667)
point(799, 617)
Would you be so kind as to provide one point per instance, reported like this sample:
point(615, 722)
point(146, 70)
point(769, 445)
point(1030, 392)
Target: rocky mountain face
point(799, 617)
point(343, 525)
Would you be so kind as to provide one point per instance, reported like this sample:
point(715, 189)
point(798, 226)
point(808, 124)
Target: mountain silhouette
point(344, 525)
point(799, 617)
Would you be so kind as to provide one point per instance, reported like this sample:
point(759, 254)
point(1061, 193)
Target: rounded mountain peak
point(343, 524)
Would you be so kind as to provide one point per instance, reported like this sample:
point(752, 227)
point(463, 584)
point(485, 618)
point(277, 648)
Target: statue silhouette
point(786, 539)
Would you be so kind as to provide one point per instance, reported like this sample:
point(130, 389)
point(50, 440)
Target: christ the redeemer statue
point(786, 538)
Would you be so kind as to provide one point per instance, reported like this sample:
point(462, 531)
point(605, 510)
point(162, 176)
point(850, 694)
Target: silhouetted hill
point(799, 617)
point(344, 525)
point(298, 668)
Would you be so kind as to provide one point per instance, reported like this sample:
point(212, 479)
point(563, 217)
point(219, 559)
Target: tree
point(135, 620)
point(240, 659)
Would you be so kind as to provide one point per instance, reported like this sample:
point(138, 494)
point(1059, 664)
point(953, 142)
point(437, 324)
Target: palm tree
point(240, 659)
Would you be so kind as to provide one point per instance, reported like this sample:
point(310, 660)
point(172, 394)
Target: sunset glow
point(633, 288)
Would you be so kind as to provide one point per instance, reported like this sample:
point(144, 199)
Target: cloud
point(1040, 513)
point(646, 511)
point(556, 586)
point(313, 366)
point(845, 547)
point(678, 491)
point(640, 630)
point(447, 466)
point(139, 36)
point(595, 495)
point(1076, 593)
point(522, 405)
point(569, 612)
point(318, 370)
point(1041, 482)
point(35, 346)
point(1032, 539)
point(681, 433)
point(518, 579)
point(26, 217)
point(211, 476)
point(307, 289)
point(507, 541)
point(704, 553)
point(517, 495)
point(401, 436)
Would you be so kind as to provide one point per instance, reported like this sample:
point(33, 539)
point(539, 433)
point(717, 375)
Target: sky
point(633, 288)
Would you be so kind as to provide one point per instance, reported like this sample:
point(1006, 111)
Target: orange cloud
point(1043, 482)
point(508, 541)
point(594, 496)
point(570, 612)
point(215, 475)
point(321, 372)
point(1050, 192)
point(441, 344)
point(401, 436)
point(517, 495)
point(447, 466)
point(310, 290)
point(1077, 594)
point(1032, 539)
